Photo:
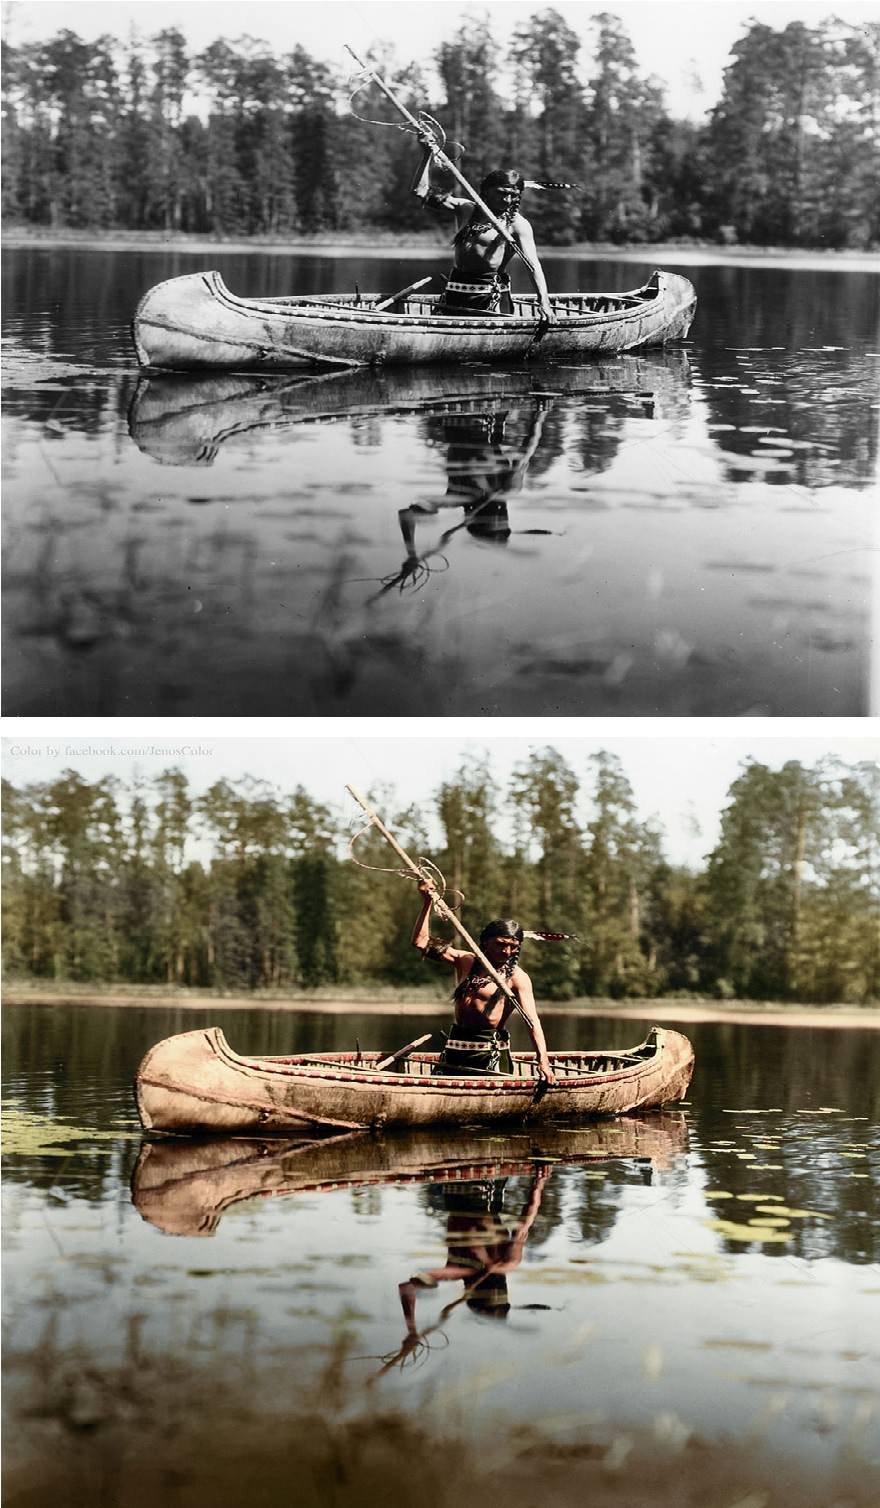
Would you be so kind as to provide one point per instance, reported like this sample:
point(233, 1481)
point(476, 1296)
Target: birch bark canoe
point(195, 1082)
point(193, 322)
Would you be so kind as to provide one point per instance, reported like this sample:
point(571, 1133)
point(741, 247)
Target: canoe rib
point(194, 1081)
point(194, 322)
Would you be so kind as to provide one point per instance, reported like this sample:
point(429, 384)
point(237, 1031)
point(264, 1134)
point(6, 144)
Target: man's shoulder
point(519, 976)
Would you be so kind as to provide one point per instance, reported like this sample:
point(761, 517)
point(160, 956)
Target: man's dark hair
point(502, 926)
point(502, 178)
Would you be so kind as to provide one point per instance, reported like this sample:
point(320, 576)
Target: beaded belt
point(459, 1044)
point(453, 286)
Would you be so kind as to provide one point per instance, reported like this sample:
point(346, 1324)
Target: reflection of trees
point(794, 1068)
point(813, 1176)
point(597, 436)
point(795, 1072)
point(820, 394)
point(599, 1200)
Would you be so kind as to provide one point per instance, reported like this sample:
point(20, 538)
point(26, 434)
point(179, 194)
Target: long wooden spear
point(447, 163)
point(440, 905)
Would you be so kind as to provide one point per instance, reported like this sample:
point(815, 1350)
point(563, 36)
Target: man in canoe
point(479, 280)
point(479, 1041)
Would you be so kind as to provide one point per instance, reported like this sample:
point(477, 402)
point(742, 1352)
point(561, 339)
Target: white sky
point(677, 777)
point(686, 43)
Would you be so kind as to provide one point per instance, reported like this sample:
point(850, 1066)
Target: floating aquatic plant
point(27, 1134)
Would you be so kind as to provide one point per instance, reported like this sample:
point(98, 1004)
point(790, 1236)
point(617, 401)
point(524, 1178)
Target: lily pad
point(783, 1209)
point(738, 1232)
point(26, 1134)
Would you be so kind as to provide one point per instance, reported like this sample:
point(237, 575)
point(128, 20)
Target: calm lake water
point(678, 534)
point(700, 1285)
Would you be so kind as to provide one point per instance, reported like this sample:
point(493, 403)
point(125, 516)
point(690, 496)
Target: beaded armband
point(434, 200)
point(434, 950)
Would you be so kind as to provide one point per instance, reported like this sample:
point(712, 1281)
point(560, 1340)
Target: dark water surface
point(699, 1281)
point(672, 534)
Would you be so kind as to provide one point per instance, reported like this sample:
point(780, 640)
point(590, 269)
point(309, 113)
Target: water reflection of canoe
point(195, 1082)
point(183, 420)
point(184, 1186)
point(194, 321)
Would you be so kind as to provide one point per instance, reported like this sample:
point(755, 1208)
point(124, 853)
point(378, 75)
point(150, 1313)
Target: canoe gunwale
point(291, 1069)
point(644, 299)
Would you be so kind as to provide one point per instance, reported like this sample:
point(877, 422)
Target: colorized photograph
point(387, 1116)
point(368, 359)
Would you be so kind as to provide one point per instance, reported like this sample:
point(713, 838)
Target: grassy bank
point(430, 244)
point(426, 1000)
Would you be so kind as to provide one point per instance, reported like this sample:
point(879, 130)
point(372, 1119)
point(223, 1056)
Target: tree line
point(103, 135)
point(244, 887)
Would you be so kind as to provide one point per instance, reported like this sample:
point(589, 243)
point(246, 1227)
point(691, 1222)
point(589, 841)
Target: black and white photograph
point(372, 359)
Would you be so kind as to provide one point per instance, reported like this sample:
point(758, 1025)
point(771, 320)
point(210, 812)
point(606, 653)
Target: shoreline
point(831, 1017)
point(384, 244)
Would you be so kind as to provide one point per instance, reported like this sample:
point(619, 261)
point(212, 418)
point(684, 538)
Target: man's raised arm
point(421, 931)
point(433, 949)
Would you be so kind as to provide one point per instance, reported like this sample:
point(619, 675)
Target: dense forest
point(243, 887)
point(143, 135)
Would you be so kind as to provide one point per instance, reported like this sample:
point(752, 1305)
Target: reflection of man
point(483, 466)
point(482, 1245)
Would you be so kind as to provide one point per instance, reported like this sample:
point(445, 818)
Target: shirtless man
point(479, 275)
point(479, 1041)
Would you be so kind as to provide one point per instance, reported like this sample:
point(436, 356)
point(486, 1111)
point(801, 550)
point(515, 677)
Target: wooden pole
point(440, 905)
point(449, 165)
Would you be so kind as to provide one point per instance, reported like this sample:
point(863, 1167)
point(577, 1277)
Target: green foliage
point(96, 135)
point(247, 888)
point(793, 884)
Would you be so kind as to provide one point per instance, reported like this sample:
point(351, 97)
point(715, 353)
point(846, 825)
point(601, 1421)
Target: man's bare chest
point(487, 247)
point(482, 1000)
